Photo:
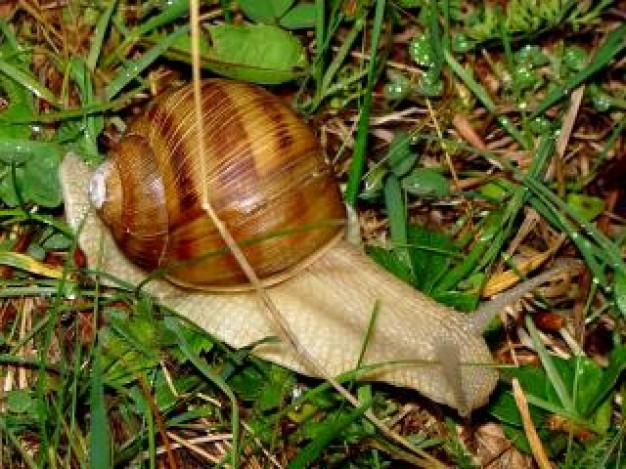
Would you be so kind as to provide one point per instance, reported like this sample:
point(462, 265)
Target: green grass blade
point(358, 157)
point(28, 81)
point(174, 10)
point(7, 433)
point(344, 50)
point(483, 96)
point(550, 367)
point(320, 37)
point(98, 36)
point(396, 211)
point(130, 71)
point(333, 429)
point(173, 324)
point(99, 435)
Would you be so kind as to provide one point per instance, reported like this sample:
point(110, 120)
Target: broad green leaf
point(617, 365)
point(430, 253)
point(19, 151)
point(41, 185)
point(265, 11)
point(503, 405)
point(302, 16)
point(581, 377)
point(16, 112)
point(32, 179)
point(392, 263)
point(183, 43)
point(258, 53)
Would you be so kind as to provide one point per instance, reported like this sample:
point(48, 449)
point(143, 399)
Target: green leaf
point(391, 262)
point(580, 375)
point(55, 241)
point(265, 11)
point(559, 391)
point(41, 184)
point(496, 190)
point(33, 181)
point(410, 3)
point(198, 341)
point(426, 182)
point(586, 206)
point(100, 31)
point(92, 125)
point(16, 112)
point(363, 129)
point(302, 16)
point(431, 253)
point(19, 401)
point(503, 405)
point(17, 150)
point(276, 389)
point(257, 53)
point(421, 51)
point(617, 365)
point(10, 185)
point(518, 437)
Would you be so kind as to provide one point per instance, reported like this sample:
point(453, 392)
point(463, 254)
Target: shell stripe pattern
point(139, 181)
point(265, 176)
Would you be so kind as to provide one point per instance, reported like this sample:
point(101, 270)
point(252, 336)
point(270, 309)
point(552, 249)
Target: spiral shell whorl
point(265, 176)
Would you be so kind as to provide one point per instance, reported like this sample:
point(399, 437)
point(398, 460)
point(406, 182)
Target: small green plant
point(572, 397)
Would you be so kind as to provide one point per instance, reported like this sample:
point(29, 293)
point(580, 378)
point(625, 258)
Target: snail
point(266, 177)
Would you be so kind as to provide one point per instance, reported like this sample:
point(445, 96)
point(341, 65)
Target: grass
point(455, 132)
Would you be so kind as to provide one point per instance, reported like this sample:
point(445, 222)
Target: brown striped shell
point(265, 177)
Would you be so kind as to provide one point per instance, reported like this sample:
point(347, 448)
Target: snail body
point(330, 294)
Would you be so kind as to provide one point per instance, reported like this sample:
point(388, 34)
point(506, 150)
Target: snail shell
point(264, 173)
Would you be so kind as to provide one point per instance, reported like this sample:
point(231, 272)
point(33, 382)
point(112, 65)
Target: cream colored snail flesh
point(266, 178)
